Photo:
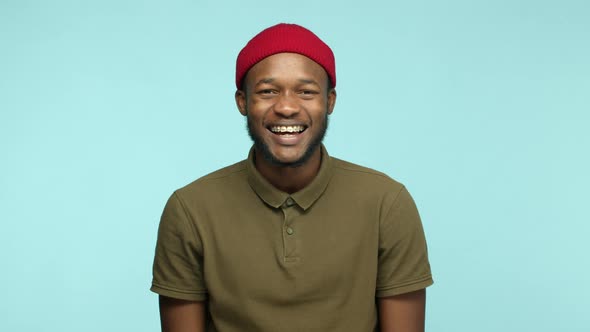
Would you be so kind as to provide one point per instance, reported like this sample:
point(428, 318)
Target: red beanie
point(281, 38)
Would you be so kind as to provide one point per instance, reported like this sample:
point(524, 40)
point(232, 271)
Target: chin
point(289, 161)
point(293, 156)
point(287, 158)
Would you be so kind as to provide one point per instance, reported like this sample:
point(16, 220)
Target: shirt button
point(290, 231)
point(290, 202)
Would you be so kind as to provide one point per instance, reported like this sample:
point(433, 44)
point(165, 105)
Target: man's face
point(286, 99)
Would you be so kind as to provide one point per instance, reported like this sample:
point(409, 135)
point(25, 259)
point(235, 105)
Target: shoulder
point(219, 181)
point(364, 177)
point(363, 186)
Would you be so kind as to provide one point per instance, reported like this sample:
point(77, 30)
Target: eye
point(266, 92)
point(307, 93)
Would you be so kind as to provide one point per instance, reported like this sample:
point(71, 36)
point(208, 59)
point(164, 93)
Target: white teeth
point(287, 129)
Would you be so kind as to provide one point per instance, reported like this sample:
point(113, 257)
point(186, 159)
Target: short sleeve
point(178, 261)
point(403, 255)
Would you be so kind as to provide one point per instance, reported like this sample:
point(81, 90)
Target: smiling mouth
point(287, 130)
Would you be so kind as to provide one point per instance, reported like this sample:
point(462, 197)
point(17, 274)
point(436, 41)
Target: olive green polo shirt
point(314, 260)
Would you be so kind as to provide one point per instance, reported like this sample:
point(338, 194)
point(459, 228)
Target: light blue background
point(479, 107)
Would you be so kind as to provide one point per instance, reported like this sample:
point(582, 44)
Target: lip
point(287, 139)
point(286, 124)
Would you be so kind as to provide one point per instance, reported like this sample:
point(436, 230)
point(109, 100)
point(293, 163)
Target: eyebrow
point(308, 81)
point(265, 81)
point(272, 79)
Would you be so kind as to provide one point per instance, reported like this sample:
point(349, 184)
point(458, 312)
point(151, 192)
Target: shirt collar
point(304, 197)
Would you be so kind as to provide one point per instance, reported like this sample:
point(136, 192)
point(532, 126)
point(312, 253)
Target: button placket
point(289, 231)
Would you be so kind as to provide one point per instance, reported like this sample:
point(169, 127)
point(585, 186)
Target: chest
point(286, 253)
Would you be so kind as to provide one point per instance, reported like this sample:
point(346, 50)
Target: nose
point(286, 105)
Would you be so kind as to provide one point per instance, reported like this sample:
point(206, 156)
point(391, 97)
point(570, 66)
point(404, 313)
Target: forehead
point(287, 66)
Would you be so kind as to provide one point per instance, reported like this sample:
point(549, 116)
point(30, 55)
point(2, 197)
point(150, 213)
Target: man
point(290, 239)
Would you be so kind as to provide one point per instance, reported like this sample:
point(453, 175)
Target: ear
point(241, 102)
point(331, 100)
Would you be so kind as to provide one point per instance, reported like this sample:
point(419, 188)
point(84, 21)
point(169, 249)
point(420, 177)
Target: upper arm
point(182, 316)
point(403, 254)
point(178, 260)
point(178, 271)
point(403, 313)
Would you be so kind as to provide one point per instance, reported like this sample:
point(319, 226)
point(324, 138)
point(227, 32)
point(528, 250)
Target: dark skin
point(287, 89)
point(403, 313)
point(281, 90)
point(182, 316)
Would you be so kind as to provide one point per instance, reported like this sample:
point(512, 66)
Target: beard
point(263, 148)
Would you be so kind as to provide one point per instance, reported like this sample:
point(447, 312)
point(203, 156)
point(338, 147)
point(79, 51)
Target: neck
point(289, 179)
